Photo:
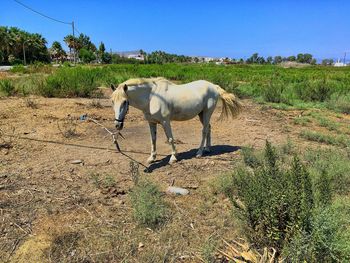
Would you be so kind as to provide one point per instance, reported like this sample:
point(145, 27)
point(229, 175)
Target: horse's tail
point(230, 104)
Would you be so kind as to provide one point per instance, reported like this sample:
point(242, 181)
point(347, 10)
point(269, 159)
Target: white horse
point(162, 101)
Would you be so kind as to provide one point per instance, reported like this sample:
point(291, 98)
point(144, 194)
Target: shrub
point(273, 92)
point(70, 82)
point(249, 157)
point(18, 69)
point(282, 207)
point(320, 90)
point(328, 242)
point(335, 162)
point(148, 205)
point(340, 102)
point(7, 87)
point(275, 215)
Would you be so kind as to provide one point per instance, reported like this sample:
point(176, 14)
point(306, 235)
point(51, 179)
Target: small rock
point(177, 190)
point(141, 245)
point(76, 162)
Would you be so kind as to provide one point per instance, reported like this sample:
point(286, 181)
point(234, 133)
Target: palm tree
point(57, 52)
point(70, 41)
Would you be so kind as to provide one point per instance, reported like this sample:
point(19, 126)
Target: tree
point(106, 58)
point(83, 41)
point(101, 49)
point(291, 58)
point(304, 58)
point(308, 58)
point(70, 41)
point(260, 60)
point(327, 62)
point(269, 60)
point(57, 53)
point(13, 41)
point(253, 58)
point(277, 60)
point(86, 55)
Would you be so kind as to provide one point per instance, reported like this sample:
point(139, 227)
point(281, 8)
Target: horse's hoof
point(199, 154)
point(207, 150)
point(151, 160)
point(172, 159)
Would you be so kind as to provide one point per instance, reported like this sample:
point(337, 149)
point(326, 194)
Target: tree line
point(15, 44)
point(20, 47)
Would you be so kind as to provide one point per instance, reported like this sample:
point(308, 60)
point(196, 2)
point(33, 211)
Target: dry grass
point(68, 127)
point(30, 103)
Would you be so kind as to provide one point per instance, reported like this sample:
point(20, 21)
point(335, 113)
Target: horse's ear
point(125, 88)
point(113, 87)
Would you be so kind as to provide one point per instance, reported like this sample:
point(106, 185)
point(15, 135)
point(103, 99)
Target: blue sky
point(210, 28)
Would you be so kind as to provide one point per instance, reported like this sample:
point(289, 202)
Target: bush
point(273, 92)
point(148, 205)
point(328, 242)
point(249, 157)
point(70, 82)
point(86, 55)
point(335, 162)
point(340, 102)
point(283, 207)
point(7, 87)
point(275, 216)
point(18, 69)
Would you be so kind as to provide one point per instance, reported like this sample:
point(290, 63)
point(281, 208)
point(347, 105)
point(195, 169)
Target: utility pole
point(24, 54)
point(74, 43)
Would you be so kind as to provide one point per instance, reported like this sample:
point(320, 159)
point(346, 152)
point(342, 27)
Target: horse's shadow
point(214, 151)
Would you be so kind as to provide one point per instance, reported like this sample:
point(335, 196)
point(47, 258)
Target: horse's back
point(184, 102)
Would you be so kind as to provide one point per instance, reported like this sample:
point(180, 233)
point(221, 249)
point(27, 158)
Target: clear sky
point(209, 28)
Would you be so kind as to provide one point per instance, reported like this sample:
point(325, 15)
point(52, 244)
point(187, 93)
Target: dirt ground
point(55, 210)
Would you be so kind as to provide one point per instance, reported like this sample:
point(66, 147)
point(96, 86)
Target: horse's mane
point(140, 81)
point(120, 94)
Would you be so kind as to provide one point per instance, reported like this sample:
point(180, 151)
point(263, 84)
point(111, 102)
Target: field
point(67, 196)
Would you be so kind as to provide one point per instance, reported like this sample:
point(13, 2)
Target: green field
point(313, 86)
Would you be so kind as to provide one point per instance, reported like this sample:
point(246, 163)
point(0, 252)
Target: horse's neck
point(139, 97)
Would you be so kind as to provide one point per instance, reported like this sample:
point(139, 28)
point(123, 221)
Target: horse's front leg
point(153, 130)
point(169, 135)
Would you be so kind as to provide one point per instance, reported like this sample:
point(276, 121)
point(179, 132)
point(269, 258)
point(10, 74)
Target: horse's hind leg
point(208, 141)
point(169, 135)
point(204, 117)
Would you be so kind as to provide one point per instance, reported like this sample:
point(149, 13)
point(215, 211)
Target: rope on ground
point(114, 138)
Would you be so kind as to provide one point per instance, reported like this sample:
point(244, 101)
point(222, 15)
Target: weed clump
point(7, 87)
point(148, 205)
point(280, 205)
point(339, 140)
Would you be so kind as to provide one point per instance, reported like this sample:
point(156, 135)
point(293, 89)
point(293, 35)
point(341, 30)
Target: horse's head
point(120, 104)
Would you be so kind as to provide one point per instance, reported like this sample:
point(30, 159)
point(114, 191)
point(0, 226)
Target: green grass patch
point(337, 140)
point(7, 88)
point(314, 86)
point(302, 120)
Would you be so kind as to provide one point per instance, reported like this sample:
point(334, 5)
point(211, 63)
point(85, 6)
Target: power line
point(75, 28)
point(31, 9)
